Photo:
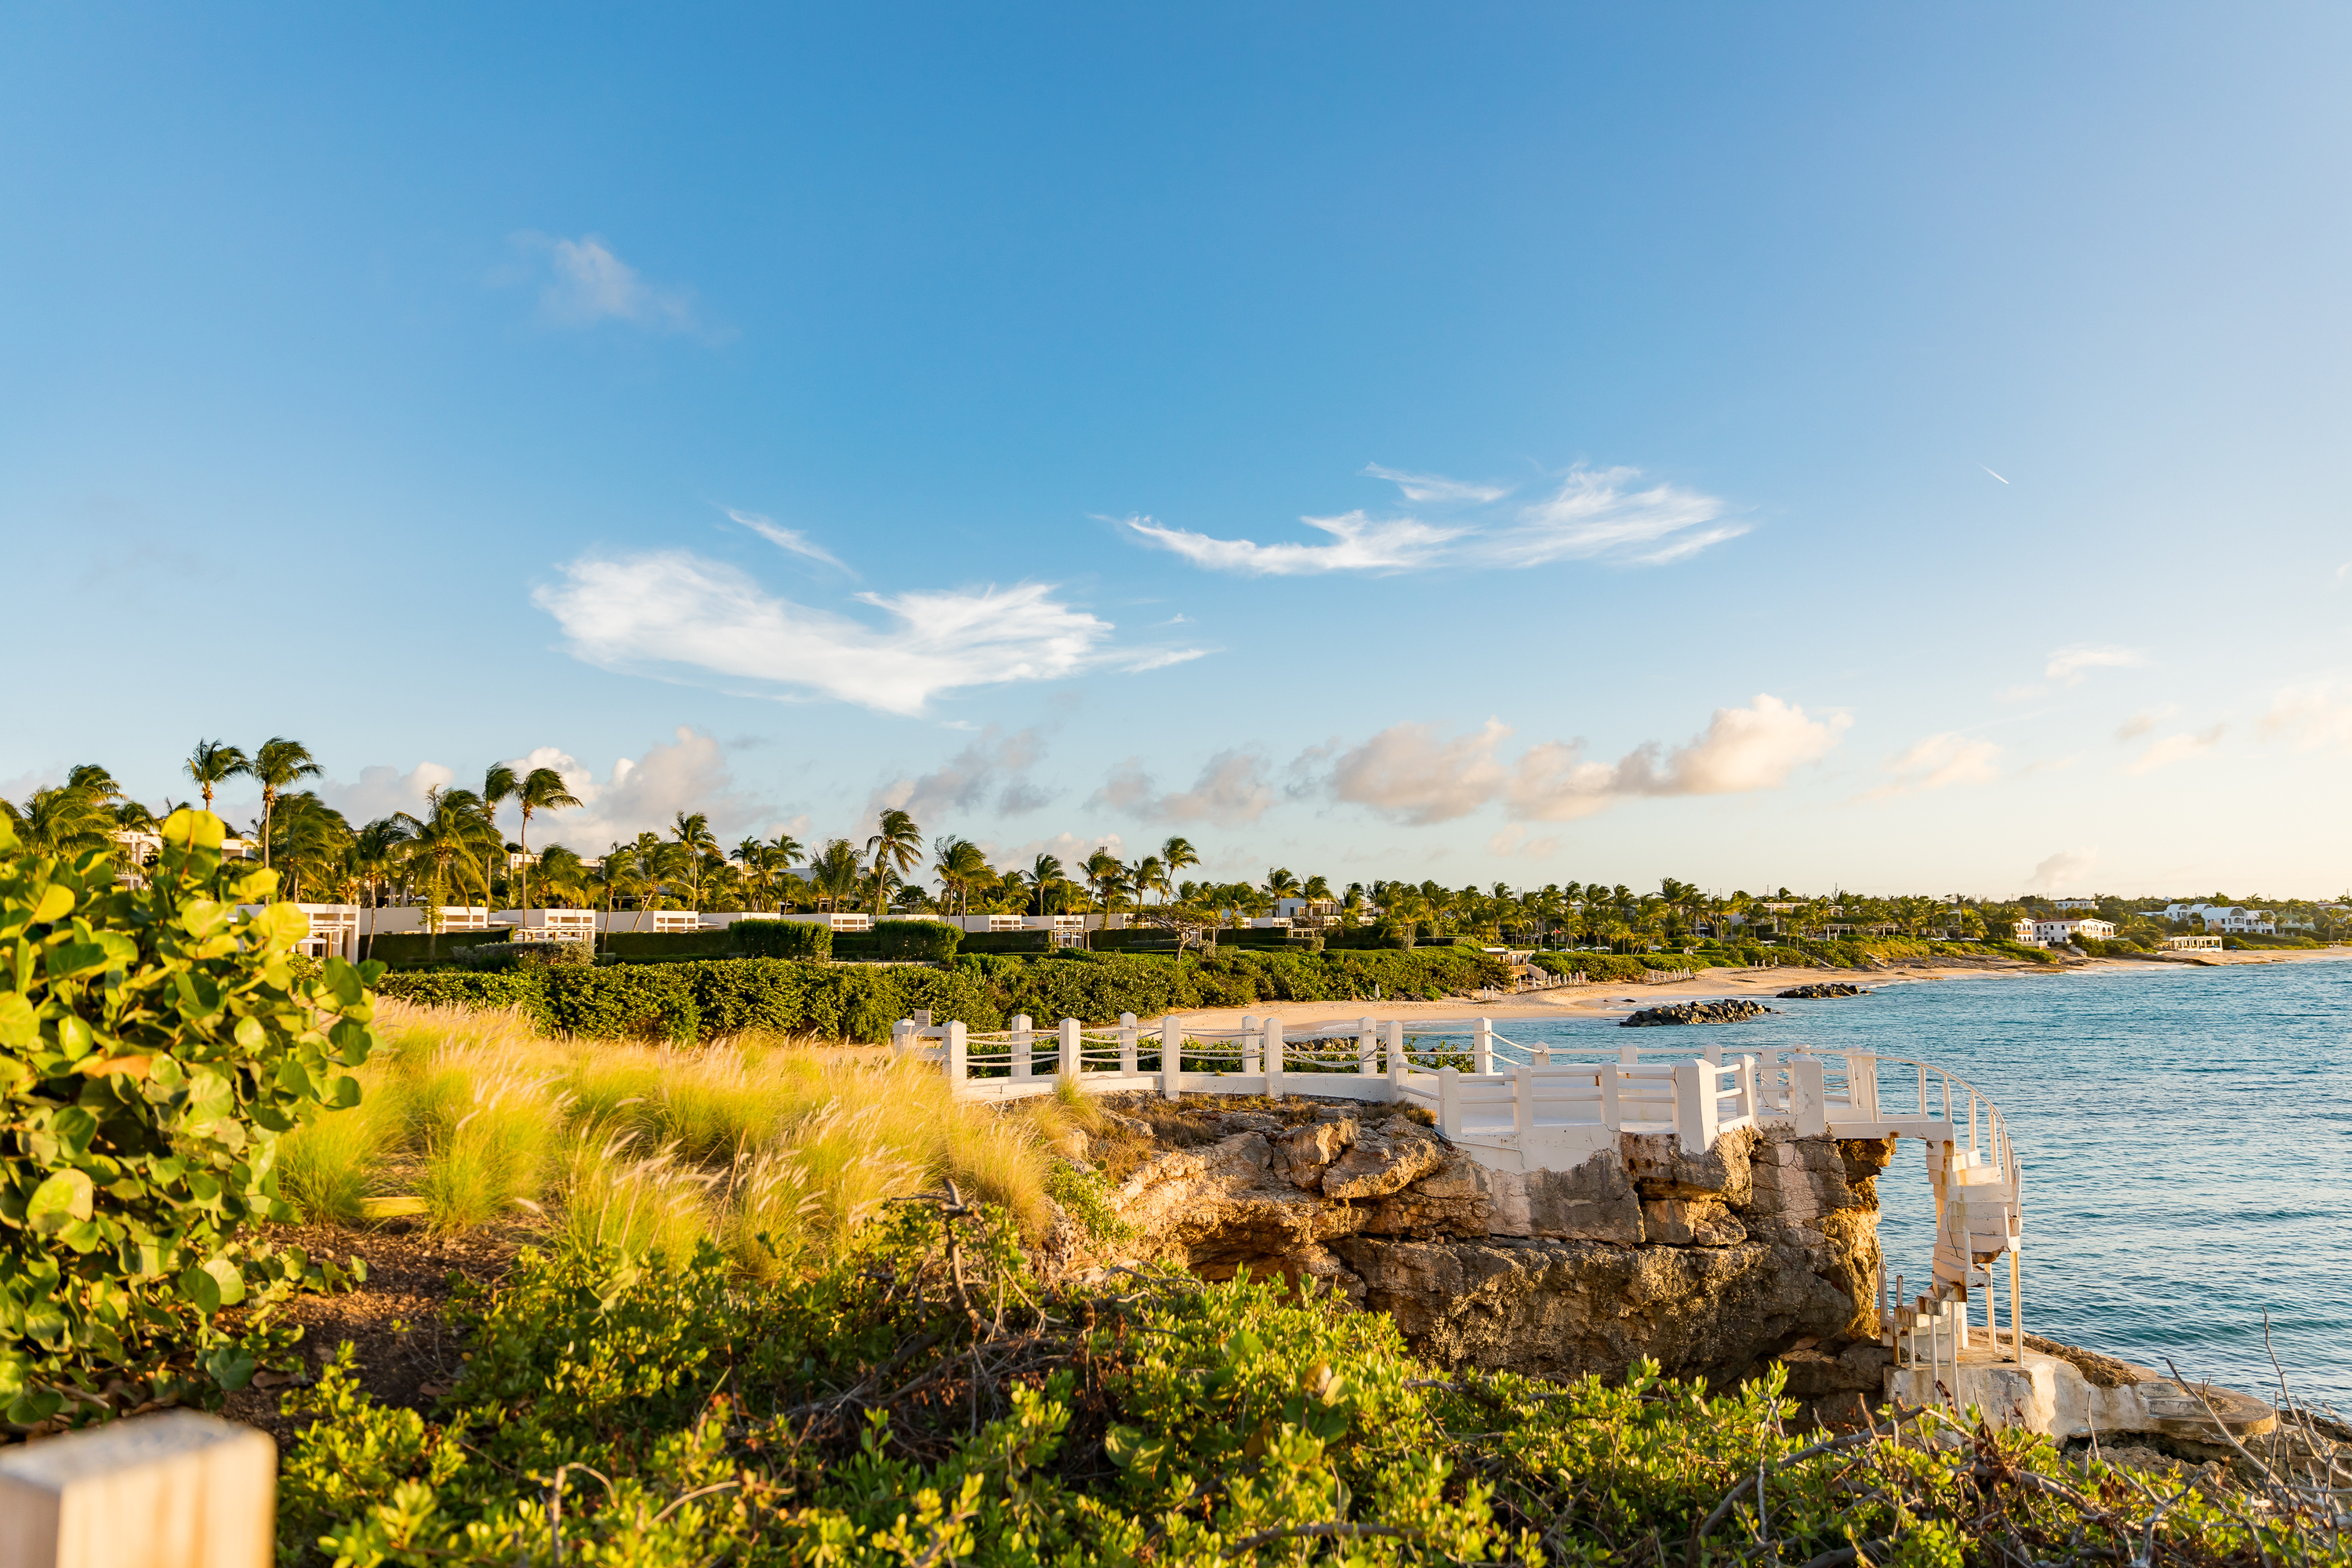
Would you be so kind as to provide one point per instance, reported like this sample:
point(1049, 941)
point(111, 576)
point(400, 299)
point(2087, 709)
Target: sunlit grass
point(777, 1149)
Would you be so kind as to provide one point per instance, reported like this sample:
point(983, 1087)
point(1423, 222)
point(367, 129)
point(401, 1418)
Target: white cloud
point(2315, 718)
point(1512, 840)
point(676, 614)
point(1935, 762)
point(1436, 486)
point(2140, 723)
point(782, 538)
point(995, 765)
point(1408, 773)
point(2068, 870)
point(587, 283)
point(2067, 664)
point(382, 790)
point(1596, 514)
point(1363, 544)
point(2175, 749)
point(644, 794)
point(1232, 790)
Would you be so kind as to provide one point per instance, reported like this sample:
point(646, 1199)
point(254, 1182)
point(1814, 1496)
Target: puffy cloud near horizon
point(2069, 869)
point(1595, 514)
point(382, 790)
point(1232, 790)
point(1938, 760)
point(645, 792)
point(676, 615)
point(2175, 749)
point(1412, 774)
point(2312, 717)
point(996, 764)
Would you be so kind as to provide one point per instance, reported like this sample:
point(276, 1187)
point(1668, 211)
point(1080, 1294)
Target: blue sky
point(1802, 444)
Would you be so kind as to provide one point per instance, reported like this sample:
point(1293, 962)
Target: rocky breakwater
point(1727, 1011)
point(1763, 1247)
point(1818, 991)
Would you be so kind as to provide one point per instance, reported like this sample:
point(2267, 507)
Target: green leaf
point(34, 1407)
point(228, 1276)
point(198, 1286)
point(56, 1202)
point(231, 1366)
point(346, 1093)
point(20, 1025)
point(56, 900)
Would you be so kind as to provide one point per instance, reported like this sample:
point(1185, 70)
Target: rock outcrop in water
point(1765, 1247)
point(1820, 991)
point(1730, 1012)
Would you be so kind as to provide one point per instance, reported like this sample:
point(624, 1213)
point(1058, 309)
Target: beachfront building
point(2224, 920)
point(2191, 944)
point(2022, 930)
point(2073, 903)
point(2050, 932)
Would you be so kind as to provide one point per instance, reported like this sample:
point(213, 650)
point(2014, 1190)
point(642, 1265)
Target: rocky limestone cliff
point(1764, 1248)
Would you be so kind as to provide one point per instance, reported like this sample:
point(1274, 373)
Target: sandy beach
point(1617, 998)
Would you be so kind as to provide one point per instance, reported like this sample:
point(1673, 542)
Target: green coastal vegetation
point(774, 1304)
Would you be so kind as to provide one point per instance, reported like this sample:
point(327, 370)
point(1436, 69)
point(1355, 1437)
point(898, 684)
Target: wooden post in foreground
point(174, 1490)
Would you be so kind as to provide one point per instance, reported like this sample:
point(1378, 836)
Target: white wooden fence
point(1476, 1081)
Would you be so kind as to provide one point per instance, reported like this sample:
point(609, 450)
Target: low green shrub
point(915, 1402)
point(782, 939)
point(666, 946)
point(154, 1047)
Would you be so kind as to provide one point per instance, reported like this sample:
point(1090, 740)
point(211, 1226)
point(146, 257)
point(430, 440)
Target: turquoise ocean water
point(2187, 1139)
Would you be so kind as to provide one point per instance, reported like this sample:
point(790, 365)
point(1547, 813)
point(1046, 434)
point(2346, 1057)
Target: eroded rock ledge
point(1764, 1248)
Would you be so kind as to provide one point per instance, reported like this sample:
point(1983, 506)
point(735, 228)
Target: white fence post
point(1862, 1085)
point(1482, 1047)
point(1022, 1044)
point(900, 1031)
point(1127, 1044)
point(956, 1063)
point(1273, 1058)
point(1523, 1103)
point(1808, 1097)
point(1367, 1050)
point(1171, 1058)
point(1396, 1059)
point(1694, 1108)
point(174, 1486)
point(1249, 1045)
point(1449, 1101)
point(1612, 1097)
point(1071, 1064)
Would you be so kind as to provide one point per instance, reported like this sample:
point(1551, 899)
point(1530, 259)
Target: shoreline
point(1617, 998)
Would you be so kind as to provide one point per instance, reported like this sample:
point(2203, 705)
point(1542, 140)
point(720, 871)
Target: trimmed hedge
point(782, 939)
point(859, 1002)
point(919, 942)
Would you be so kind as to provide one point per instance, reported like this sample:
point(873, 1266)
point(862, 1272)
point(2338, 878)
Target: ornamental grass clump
point(775, 1149)
point(156, 1047)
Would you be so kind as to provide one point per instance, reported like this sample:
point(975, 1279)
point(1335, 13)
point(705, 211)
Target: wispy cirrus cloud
point(786, 539)
point(2067, 665)
point(676, 615)
point(1412, 773)
point(2312, 718)
point(1592, 514)
point(584, 282)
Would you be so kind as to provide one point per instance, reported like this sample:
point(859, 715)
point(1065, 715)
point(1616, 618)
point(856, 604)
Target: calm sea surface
point(2187, 1140)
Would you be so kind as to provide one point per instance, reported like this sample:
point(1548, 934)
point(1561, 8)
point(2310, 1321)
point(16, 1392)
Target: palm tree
point(214, 763)
point(1046, 873)
point(1106, 875)
point(962, 868)
point(280, 763)
point(61, 820)
point(896, 848)
point(1179, 855)
point(450, 838)
point(542, 789)
point(1149, 875)
point(835, 872)
point(693, 839)
point(374, 850)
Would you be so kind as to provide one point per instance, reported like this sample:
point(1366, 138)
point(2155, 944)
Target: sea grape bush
point(908, 1404)
point(154, 1045)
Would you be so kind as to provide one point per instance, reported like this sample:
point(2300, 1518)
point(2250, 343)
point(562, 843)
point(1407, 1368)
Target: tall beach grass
point(776, 1147)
